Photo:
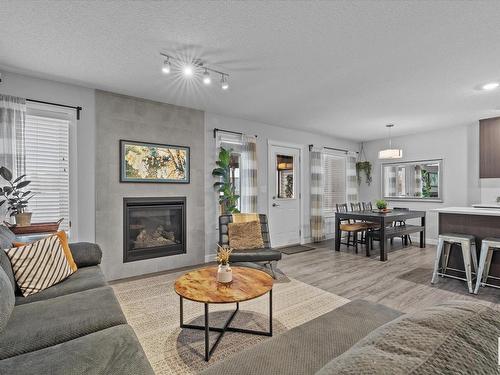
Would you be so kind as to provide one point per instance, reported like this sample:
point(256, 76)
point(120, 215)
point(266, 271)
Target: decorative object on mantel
point(227, 195)
point(382, 205)
point(193, 68)
point(224, 272)
point(390, 153)
point(35, 228)
point(363, 165)
point(153, 162)
point(16, 198)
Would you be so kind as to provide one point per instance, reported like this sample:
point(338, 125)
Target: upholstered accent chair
point(265, 255)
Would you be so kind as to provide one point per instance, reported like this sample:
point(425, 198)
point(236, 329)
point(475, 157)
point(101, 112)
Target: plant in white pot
point(15, 197)
point(224, 272)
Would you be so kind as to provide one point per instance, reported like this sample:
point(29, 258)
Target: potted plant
point(16, 198)
point(224, 272)
point(227, 195)
point(382, 205)
point(366, 167)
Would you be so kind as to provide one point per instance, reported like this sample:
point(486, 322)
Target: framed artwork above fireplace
point(153, 162)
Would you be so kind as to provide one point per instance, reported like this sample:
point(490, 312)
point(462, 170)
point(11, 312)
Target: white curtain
point(249, 187)
point(352, 180)
point(12, 136)
point(317, 186)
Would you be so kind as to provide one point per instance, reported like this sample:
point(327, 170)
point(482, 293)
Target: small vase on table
point(224, 272)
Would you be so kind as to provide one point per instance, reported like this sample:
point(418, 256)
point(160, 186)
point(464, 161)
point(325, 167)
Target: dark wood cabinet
point(489, 148)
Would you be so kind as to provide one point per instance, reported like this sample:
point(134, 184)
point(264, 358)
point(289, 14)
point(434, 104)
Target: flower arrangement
point(223, 254)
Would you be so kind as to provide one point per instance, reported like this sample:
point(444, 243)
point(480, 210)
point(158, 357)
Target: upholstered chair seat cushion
point(6, 299)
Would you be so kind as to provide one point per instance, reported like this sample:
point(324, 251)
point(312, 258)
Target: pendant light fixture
point(390, 153)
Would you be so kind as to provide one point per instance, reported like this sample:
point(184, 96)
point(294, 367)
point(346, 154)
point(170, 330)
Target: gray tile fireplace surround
point(123, 117)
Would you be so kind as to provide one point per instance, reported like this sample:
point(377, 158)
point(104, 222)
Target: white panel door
point(284, 195)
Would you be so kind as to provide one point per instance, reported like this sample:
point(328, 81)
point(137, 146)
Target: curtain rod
point(227, 131)
point(334, 149)
point(78, 108)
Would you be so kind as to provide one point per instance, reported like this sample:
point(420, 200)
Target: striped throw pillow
point(39, 265)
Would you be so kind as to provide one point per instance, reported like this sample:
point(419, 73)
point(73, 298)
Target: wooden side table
point(201, 286)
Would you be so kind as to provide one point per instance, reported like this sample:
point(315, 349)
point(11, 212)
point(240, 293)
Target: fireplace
point(153, 227)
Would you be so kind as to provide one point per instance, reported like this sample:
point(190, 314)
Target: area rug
point(295, 249)
point(152, 309)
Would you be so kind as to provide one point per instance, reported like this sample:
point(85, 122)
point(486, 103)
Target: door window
point(285, 177)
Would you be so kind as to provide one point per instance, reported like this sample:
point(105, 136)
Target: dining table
point(383, 221)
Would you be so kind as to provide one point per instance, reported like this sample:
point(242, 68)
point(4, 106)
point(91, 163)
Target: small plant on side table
point(16, 198)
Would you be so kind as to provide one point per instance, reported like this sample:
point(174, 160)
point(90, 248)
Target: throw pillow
point(245, 236)
point(6, 298)
point(39, 265)
point(65, 245)
point(243, 218)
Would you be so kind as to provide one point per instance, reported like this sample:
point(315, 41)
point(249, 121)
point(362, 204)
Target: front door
point(284, 195)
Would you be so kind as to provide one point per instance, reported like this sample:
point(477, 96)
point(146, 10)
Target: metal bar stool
point(488, 245)
point(444, 245)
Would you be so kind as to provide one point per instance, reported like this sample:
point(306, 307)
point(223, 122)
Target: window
point(335, 189)
point(47, 140)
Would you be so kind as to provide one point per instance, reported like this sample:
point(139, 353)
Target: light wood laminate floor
point(403, 282)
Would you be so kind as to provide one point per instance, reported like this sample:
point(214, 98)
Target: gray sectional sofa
point(362, 337)
point(74, 327)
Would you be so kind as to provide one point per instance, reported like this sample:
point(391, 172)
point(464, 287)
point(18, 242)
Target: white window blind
point(47, 166)
point(334, 171)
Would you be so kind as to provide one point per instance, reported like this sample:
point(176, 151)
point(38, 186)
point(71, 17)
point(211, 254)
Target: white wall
point(264, 133)
point(51, 91)
point(457, 146)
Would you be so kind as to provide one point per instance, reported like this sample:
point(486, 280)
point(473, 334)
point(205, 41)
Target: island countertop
point(468, 211)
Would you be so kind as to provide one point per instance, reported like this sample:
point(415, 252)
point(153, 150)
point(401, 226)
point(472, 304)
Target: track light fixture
point(166, 66)
point(192, 69)
point(206, 78)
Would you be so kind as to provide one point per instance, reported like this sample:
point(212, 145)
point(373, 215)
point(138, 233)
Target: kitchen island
point(479, 222)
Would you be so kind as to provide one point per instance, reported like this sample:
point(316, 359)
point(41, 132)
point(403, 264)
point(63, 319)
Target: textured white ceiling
point(338, 68)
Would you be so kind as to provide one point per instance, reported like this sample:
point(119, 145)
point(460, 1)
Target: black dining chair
point(351, 227)
point(405, 239)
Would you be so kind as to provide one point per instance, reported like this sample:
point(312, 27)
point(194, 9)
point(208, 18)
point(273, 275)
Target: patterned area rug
point(152, 309)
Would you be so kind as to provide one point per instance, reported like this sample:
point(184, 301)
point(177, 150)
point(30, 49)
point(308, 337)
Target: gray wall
point(41, 89)
point(264, 132)
point(457, 146)
point(122, 117)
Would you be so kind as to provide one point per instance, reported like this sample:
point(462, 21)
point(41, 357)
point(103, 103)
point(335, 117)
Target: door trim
point(300, 148)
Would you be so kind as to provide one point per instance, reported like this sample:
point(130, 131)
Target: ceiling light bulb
point(188, 71)
point(490, 86)
point(206, 77)
point(224, 85)
point(166, 67)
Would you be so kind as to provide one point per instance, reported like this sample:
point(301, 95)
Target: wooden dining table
point(386, 230)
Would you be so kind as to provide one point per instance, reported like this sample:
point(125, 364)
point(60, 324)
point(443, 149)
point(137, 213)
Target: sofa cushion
point(454, 338)
point(39, 265)
point(7, 267)
point(84, 279)
point(308, 347)
point(113, 351)
point(41, 324)
point(86, 254)
point(6, 299)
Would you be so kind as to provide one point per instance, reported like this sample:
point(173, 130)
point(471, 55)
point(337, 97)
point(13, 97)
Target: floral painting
point(150, 162)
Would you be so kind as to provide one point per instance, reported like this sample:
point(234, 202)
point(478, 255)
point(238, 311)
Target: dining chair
point(351, 227)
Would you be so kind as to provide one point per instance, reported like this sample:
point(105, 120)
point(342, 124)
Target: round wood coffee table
point(201, 286)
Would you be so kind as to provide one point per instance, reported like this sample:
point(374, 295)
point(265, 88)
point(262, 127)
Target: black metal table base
point(206, 327)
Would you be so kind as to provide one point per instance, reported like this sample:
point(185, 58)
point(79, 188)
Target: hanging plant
point(362, 165)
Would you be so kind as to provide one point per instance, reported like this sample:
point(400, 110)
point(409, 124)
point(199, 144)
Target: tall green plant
point(16, 198)
point(227, 196)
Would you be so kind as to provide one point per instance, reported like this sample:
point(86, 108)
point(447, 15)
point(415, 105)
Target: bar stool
point(444, 244)
point(488, 245)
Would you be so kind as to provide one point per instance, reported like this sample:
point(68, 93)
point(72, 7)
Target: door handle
point(276, 205)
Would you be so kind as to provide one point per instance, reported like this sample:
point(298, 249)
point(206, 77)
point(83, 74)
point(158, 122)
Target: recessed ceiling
point(340, 68)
